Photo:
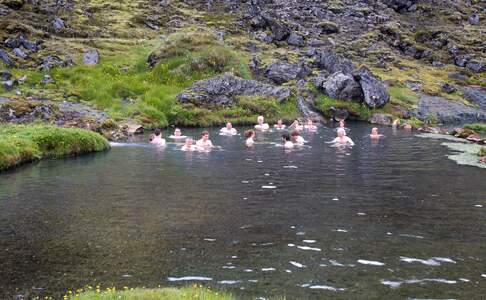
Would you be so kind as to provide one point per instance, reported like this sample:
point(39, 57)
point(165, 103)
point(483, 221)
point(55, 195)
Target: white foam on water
point(478, 205)
point(300, 233)
point(411, 236)
point(464, 279)
point(269, 187)
point(335, 199)
point(229, 281)
point(370, 262)
point(322, 265)
point(309, 248)
point(291, 245)
point(326, 287)
point(259, 161)
point(234, 256)
point(268, 269)
point(340, 230)
point(428, 262)
point(296, 264)
point(309, 241)
point(444, 259)
point(288, 271)
point(397, 284)
point(361, 214)
point(247, 270)
point(189, 278)
point(229, 267)
point(389, 233)
point(245, 198)
point(266, 174)
point(293, 227)
point(127, 276)
point(245, 181)
point(266, 244)
point(209, 240)
point(253, 280)
point(336, 263)
point(337, 249)
point(290, 167)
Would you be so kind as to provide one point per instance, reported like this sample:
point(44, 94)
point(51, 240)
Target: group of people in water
point(289, 140)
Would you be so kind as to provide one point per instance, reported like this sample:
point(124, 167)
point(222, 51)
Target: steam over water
point(393, 219)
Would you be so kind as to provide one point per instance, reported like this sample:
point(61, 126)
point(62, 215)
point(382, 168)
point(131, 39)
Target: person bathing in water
point(261, 125)
point(296, 125)
point(342, 139)
point(204, 143)
point(249, 134)
point(287, 143)
point(297, 138)
point(228, 130)
point(188, 145)
point(310, 125)
point(280, 125)
point(157, 138)
point(374, 134)
point(177, 135)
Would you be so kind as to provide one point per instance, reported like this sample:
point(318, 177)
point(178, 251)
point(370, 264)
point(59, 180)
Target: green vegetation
point(482, 151)
point(358, 110)
point(20, 143)
point(126, 86)
point(481, 128)
point(403, 96)
point(194, 292)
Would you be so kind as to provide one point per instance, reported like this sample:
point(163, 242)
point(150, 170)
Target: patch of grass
point(358, 110)
point(481, 128)
point(482, 151)
point(403, 96)
point(125, 86)
point(243, 112)
point(194, 292)
point(414, 122)
point(20, 143)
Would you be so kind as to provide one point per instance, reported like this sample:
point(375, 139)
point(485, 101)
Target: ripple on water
point(296, 264)
point(397, 284)
point(433, 261)
point(307, 248)
point(370, 262)
point(189, 278)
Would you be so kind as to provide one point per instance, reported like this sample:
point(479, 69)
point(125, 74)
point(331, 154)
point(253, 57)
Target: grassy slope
point(194, 292)
point(20, 144)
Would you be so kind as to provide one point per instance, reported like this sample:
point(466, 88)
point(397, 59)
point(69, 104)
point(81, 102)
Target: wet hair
point(286, 137)
point(295, 133)
point(157, 132)
point(204, 133)
point(189, 139)
point(249, 133)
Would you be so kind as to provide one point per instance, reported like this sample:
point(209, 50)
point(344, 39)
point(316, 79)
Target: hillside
point(138, 61)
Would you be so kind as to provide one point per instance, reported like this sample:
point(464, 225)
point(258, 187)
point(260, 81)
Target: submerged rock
point(223, 89)
point(374, 91)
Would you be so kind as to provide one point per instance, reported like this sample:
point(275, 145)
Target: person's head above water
point(310, 122)
point(260, 120)
point(229, 126)
point(286, 137)
point(295, 133)
point(374, 131)
point(177, 132)
point(189, 141)
point(341, 132)
point(205, 135)
point(157, 132)
point(249, 133)
point(279, 122)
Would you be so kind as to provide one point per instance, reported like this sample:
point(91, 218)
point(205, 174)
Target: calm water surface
point(393, 219)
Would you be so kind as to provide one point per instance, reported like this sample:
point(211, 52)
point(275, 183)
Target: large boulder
point(222, 90)
point(333, 62)
point(281, 72)
point(374, 91)
point(401, 5)
point(342, 86)
point(91, 57)
point(6, 58)
point(446, 111)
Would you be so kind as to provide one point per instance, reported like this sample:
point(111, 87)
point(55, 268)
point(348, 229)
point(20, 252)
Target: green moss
point(21, 143)
point(481, 128)
point(358, 110)
point(194, 292)
point(403, 96)
point(482, 151)
point(414, 122)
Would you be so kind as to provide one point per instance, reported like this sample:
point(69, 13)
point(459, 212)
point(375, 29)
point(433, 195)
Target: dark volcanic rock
point(342, 86)
point(91, 57)
point(475, 95)
point(448, 88)
point(448, 111)
point(333, 62)
point(374, 91)
point(401, 5)
point(223, 89)
point(8, 85)
point(281, 72)
point(473, 19)
point(295, 40)
point(475, 66)
point(53, 61)
point(58, 24)
point(5, 75)
point(6, 58)
point(20, 53)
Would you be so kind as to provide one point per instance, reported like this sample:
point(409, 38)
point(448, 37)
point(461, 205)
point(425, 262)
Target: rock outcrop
point(375, 93)
point(222, 90)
